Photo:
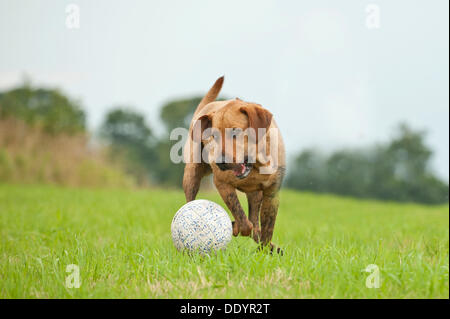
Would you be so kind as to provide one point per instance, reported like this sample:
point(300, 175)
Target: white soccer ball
point(201, 225)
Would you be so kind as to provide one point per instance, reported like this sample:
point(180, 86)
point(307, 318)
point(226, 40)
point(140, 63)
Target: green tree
point(349, 173)
point(47, 108)
point(125, 127)
point(308, 173)
point(178, 113)
point(132, 140)
point(148, 157)
point(406, 166)
point(174, 114)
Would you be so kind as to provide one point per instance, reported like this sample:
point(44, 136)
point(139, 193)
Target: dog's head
point(235, 131)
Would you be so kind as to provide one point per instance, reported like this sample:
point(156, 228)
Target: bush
point(32, 155)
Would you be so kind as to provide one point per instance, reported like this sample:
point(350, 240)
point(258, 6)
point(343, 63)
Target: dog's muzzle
point(240, 170)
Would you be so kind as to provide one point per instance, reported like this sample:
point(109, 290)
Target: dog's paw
point(235, 228)
point(244, 228)
point(271, 249)
point(276, 249)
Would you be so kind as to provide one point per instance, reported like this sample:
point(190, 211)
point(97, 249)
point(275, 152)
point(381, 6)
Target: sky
point(331, 79)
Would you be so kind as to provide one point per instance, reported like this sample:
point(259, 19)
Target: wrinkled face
point(235, 130)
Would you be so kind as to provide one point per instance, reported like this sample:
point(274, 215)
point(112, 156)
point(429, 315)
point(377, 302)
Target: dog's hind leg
point(254, 205)
point(193, 174)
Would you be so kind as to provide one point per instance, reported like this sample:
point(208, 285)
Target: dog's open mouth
point(242, 170)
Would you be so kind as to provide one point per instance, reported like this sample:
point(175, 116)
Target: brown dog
point(237, 169)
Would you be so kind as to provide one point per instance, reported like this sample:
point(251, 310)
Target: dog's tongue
point(239, 170)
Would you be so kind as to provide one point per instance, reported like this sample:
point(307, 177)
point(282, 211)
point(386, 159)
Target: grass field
point(120, 239)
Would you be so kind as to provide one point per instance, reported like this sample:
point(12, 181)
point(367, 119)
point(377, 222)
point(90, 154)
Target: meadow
point(120, 240)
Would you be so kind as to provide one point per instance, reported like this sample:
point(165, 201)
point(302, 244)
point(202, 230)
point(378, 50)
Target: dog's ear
point(258, 117)
point(203, 122)
point(193, 152)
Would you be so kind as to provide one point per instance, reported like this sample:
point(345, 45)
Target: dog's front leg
point(254, 205)
point(241, 225)
point(193, 174)
point(269, 210)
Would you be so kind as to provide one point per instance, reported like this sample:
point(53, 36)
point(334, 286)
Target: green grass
point(121, 241)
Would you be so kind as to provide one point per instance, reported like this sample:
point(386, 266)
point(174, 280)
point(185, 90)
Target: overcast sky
point(329, 80)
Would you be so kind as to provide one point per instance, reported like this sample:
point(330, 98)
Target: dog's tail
point(212, 94)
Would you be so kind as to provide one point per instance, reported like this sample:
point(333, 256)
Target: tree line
point(397, 170)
